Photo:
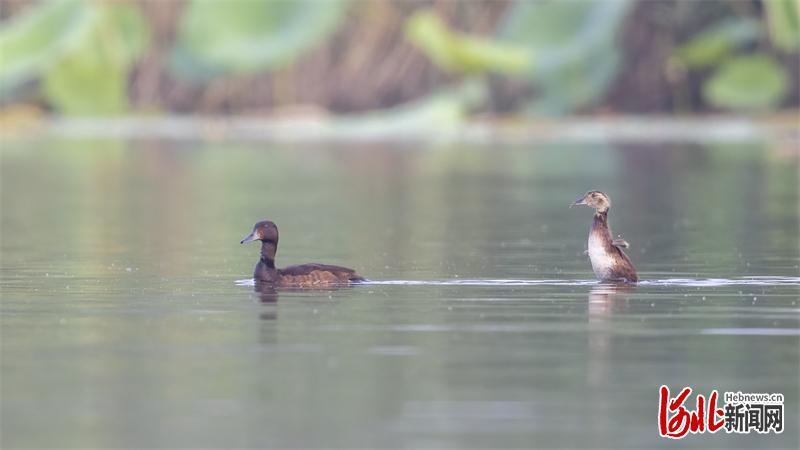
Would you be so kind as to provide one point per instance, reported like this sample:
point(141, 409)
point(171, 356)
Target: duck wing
point(620, 243)
point(326, 270)
point(623, 267)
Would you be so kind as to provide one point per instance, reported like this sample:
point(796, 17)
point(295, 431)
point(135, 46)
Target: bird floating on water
point(302, 276)
point(609, 262)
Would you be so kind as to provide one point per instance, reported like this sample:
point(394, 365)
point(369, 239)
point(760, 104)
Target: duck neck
point(600, 226)
point(601, 215)
point(268, 249)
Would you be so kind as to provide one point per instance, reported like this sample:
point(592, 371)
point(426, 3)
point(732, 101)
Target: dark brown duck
point(304, 275)
point(609, 262)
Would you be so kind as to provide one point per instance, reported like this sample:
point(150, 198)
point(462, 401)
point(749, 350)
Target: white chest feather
point(602, 261)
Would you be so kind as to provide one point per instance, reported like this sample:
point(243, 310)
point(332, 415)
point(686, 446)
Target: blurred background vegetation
point(314, 57)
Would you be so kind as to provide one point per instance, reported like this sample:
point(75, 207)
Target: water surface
point(128, 319)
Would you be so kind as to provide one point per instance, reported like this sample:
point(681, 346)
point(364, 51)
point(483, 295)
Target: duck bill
point(250, 238)
point(578, 202)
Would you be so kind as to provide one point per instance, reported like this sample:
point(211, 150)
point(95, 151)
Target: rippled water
point(668, 282)
point(129, 318)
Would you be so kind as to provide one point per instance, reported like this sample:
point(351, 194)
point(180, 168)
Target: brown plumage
point(304, 275)
point(609, 262)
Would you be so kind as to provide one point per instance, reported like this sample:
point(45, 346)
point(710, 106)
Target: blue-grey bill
point(580, 201)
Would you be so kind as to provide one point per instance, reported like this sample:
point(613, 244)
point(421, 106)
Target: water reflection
point(603, 297)
point(477, 332)
point(266, 292)
point(604, 300)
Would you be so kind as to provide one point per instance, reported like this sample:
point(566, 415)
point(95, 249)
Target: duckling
point(609, 262)
point(305, 275)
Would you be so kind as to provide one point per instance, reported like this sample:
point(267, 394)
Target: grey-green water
point(127, 320)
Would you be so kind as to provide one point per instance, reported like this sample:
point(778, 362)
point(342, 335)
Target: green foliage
point(83, 51)
point(456, 52)
point(752, 83)
point(567, 49)
point(783, 17)
point(93, 79)
point(717, 42)
point(574, 46)
point(32, 42)
point(439, 110)
point(216, 37)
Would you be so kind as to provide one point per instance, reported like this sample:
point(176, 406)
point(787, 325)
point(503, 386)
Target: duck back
point(609, 262)
point(315, 274)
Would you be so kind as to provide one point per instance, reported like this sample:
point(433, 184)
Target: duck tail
point(357, 279)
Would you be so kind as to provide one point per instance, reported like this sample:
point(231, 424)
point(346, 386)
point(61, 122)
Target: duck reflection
point(268, 296)
point(604, 300)
point(266, 292)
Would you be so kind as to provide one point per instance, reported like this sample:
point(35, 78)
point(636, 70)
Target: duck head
point(264, 231)
point(595, 199)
